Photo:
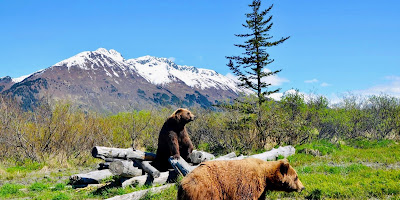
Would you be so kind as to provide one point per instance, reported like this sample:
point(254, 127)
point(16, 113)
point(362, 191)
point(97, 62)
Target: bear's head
point(286, 178)
point(183, 116)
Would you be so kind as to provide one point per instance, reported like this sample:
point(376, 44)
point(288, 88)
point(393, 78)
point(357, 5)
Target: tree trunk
point(184, 168)
point(227, 156)
point(145, 165)
point(91, 177)
point(139, 194)
point(274, 153)
point(181, 165)
point(165, 177)
point(124, 168)
point(129, 153)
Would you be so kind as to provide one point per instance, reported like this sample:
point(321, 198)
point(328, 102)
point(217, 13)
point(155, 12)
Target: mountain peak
point(110, 53)
point(156, 70)
point(102, 79)
point(82, 58)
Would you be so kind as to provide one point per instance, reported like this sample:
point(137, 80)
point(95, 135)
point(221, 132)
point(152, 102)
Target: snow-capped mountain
point(105, 80)
point(159, 71)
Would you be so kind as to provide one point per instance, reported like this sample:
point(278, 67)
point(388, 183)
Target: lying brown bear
point(238, 179)
point(174, 140)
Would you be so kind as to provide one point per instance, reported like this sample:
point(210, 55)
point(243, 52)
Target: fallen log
point(184, 168)
point(90, 178)
point(165, 177)
point(227, 156)
point(268, 155)
point(124, 168)
point(181, 166)
point(119, 153)
point(198, 157)
point(274, 153)
point(139, 194)
point(148, 168)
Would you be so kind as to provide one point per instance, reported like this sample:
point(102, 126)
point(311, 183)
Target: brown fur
point(238, 179)
point(173, 139)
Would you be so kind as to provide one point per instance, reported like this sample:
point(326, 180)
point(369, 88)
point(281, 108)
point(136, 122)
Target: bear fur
point(238, 179)
point(174, 140)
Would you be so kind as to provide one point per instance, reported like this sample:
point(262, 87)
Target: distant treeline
point(63, 132)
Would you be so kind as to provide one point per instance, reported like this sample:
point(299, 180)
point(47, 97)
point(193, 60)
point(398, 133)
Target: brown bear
point(174, 140)
point(238, 179)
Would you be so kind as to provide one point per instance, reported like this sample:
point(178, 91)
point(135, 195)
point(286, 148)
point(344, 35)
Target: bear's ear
point(284, 166)
point(177, 114)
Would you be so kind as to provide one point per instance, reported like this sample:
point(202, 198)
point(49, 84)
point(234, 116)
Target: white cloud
point(391, 88)
point(275, 80)
point(311, 81)
point(172, 59)
point(324, 84)
point(276, 96)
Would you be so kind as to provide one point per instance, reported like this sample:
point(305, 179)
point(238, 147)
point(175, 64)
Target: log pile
point(133, 167)
point(124, 163)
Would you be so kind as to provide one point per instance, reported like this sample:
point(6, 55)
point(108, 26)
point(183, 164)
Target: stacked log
point(91, 177)
point(125, 163)
point(124, 168)
point(118, 153)
point(133, 167)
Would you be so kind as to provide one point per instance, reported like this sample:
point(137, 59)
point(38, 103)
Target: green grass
point(349, 170)
point(28, 166)
point(10, 190)
point(38, 187)
point(168, 194)
point(323, 146)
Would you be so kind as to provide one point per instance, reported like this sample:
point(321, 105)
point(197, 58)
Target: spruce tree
point(249, 68)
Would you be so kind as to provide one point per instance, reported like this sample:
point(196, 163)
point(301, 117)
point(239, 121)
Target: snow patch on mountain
point(19, 79)
point(86, 58)
point(159, 71)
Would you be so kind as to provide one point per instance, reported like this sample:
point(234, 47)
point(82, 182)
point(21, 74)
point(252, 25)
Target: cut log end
point(124, 168)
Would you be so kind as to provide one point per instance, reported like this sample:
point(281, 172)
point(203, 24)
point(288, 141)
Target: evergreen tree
point(250, 67)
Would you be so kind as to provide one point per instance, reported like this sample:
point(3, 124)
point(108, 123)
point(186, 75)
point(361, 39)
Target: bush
point(9, 189)
point(38, 186)
point(63, 132)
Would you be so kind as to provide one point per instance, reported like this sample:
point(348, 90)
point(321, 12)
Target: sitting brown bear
point(174, 140)
point(238, 179)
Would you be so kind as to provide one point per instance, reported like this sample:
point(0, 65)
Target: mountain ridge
point(103, 79)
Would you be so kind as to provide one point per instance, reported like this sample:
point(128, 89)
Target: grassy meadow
point(346, 151)
point(349, 170)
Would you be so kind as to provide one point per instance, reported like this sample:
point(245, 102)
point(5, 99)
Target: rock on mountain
point(103, 80)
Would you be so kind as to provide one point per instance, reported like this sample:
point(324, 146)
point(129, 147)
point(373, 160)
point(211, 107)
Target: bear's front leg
point(174, 145)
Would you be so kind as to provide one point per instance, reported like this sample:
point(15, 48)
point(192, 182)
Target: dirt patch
point(381, 165)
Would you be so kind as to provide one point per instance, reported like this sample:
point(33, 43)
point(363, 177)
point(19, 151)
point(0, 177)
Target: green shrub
point(323, 146)
point(59, 186)
point(38, 186)
point(61, 196)
point(369, 144)
point(10, 189)
point(25, 166)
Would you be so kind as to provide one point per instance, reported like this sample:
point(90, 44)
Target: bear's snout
point(300, 186)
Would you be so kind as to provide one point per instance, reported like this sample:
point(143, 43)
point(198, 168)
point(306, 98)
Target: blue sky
point(335, 46)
